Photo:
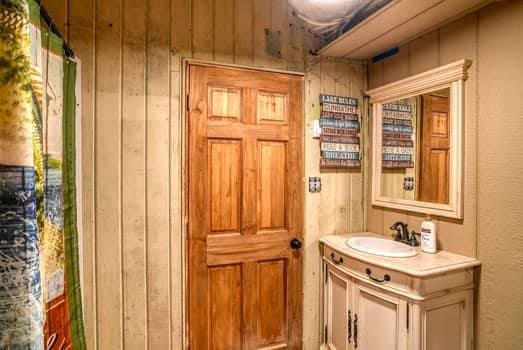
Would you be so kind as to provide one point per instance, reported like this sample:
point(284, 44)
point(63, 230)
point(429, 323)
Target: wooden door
point(245, 206)
point(338, 315)
point(435, 154)
point(380, 320)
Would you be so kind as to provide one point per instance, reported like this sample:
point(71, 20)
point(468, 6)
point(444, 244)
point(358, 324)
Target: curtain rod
point(49, 21)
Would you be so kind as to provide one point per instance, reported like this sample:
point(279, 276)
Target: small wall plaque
point(340, 132)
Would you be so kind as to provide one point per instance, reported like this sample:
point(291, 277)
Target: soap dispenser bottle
point(428, 235)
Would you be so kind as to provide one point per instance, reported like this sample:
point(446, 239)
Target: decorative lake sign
point(340, 132)
point(397, 143)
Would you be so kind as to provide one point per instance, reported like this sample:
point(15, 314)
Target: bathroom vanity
point(373, 302)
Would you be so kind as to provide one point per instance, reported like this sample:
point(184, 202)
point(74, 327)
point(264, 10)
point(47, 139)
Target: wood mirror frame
point(451, 76)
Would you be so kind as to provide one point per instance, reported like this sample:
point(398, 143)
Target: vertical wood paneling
point(180, 48)
point(357, 77)
point(243, 31)
point(343, 178)
point(311, 257)
point(202, 29)
point(59, 10)
point(261, 24)
point(132, 120)
point(181, 40)
point(223, 30)
point(108, 39)
point(280, 26)
point(158, 175)
point(329, 205)
point(296, 42)
point(338, 208)
point(133, 174)
point(374, 215)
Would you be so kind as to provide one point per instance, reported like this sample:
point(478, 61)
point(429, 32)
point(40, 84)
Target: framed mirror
point(417, 142)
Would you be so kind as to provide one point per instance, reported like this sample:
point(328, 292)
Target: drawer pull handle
point(338, 261)
point(386, 278)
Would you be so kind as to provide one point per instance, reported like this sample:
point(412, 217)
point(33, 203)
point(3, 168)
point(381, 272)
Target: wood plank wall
point(491, 229)
point(339, 207)
point(131, 53)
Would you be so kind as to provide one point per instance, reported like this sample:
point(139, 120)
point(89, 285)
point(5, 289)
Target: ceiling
point(328, 19)
point(395, 23)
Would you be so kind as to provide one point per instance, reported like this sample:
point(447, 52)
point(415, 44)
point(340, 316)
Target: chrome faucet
point(402, 234)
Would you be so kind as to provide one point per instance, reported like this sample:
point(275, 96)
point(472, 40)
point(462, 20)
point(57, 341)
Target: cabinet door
point(337, 302)
point(380, 320)
point(447, 322)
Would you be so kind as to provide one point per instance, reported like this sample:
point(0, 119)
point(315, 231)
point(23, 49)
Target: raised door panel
point(337, 305)
point(272, 304)
point(225, 316)
point(224, 102)
point(225, 176)
point(272, 187)
point(271, 107)
point(380, 321)
point(447, 322)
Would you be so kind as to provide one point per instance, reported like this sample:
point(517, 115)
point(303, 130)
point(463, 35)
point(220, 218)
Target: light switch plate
point(315, 129)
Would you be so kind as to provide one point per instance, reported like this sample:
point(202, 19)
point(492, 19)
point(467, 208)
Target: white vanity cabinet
point(358, 317)
point(377, 303)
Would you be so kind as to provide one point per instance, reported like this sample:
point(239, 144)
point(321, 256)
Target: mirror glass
point(416, 147)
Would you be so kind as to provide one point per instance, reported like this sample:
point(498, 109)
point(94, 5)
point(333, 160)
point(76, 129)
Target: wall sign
point(397, 143)
point(340, 132)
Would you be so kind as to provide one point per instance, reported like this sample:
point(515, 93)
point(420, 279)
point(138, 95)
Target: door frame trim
point(184, 131)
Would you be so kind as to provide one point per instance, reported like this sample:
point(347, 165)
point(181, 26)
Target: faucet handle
point(397, 226)
point(413, 241)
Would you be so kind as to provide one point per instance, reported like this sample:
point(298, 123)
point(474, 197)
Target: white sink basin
point(381, 246)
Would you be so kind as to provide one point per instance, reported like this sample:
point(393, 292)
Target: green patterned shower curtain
point(40, 300)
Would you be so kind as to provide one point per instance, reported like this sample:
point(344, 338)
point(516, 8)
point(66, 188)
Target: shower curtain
point(40, 300)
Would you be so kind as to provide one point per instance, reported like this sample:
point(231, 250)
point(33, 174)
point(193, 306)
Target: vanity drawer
point(388, 279)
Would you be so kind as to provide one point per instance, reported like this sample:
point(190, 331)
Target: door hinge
point(187, 99)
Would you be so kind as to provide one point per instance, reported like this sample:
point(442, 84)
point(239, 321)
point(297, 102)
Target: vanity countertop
point(421, 265)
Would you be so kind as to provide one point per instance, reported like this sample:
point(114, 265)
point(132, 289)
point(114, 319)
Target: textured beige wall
point(131, 54)
point(492, 227)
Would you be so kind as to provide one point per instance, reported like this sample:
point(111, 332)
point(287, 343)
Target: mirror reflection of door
point(435, 151)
